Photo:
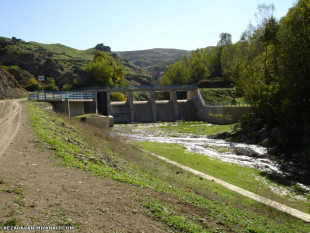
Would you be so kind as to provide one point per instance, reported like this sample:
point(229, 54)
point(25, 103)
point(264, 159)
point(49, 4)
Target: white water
point(254, 156)
point(248, 155)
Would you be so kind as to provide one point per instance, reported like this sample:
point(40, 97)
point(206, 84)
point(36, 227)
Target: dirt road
point(35, 191)
point(10, 118)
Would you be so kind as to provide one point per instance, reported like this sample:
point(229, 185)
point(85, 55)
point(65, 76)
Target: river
point(254, 156)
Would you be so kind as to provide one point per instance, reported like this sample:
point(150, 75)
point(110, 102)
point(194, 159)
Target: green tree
point(105, 71)
point(198, 66)
point(33, 85)
point(271, 68)
point(50, 84)
point(294, 67)
point(178, 73)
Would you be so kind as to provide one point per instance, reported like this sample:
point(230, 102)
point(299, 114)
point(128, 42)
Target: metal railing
point(59, 95)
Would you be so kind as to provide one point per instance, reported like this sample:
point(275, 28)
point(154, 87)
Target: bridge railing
point(59, 95)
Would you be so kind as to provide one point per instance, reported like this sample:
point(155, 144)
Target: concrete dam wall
point(190, 109)
point(143, 111)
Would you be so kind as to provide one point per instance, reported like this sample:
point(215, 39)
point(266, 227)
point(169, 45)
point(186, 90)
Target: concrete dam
point(98, 101)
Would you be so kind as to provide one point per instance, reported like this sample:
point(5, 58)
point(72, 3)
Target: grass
point(241, 176)
point(95, 151)
point(163, 212)
point(197, 128)
point(10, 222)
point(220, 95)
point(60, 50)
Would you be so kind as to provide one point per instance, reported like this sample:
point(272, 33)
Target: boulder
point(223, 135)
point(5, 41)
point(102, 47)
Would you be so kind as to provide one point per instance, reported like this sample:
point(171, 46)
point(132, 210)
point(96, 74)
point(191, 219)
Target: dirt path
point(35, 191)
point(296, 213)
point(10, 117)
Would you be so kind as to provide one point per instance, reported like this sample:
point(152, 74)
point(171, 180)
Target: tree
point(294, 66)
point(225, 39)
point(105, 71)
point(198, 66)
point(227, 60)
point(178, 73)
point(272, 70)
point(50, 84)
point(33, 85)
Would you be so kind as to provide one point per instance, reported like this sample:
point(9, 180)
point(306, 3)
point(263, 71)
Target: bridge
point(98, 100)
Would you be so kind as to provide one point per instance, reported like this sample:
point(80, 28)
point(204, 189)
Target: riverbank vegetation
point(178, 198)
point(270, 68)
point(248, 178)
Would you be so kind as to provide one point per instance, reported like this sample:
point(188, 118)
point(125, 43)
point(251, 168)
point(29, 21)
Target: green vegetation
point(92, 150)
point(62, 51)
point(273, 74)
point(152, 57)
point(105, 71)
point(72, 63)
point(269, 66)
point(241, 176)
point(204, 65)
point(164, 213)
point(213, 96)
point(196, 128)
point(11, 222)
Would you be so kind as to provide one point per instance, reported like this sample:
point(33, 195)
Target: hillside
point(155, 61)
point(9, 87)
point(64, 64)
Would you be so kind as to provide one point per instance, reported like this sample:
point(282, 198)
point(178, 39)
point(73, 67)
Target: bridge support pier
point(67, 107)
point(174, 99)
point(109, 112)
point(153, 105)
point(131, 108)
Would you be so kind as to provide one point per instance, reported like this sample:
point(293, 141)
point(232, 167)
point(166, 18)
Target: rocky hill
point(9, 87)
point(67, 66)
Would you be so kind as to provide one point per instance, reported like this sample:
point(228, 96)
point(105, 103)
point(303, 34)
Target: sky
point(127, 25)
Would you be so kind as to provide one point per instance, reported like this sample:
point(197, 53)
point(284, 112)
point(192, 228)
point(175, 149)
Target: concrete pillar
point(153, 105)
point(67, 107)
point(174, 99)
point(191, 95)
point(131, 107)
point(109, 112)
point(96, 101)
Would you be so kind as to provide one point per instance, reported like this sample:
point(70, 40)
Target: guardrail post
point(44, 95)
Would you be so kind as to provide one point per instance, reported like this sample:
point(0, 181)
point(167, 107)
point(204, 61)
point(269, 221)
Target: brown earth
point(35, 191)
point(54, 195)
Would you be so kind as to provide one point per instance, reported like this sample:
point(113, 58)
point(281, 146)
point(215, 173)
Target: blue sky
point(127, 25)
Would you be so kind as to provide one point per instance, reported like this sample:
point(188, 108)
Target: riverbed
point(254, 156)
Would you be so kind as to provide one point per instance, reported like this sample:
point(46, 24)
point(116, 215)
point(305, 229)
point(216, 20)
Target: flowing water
point(240, 153)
